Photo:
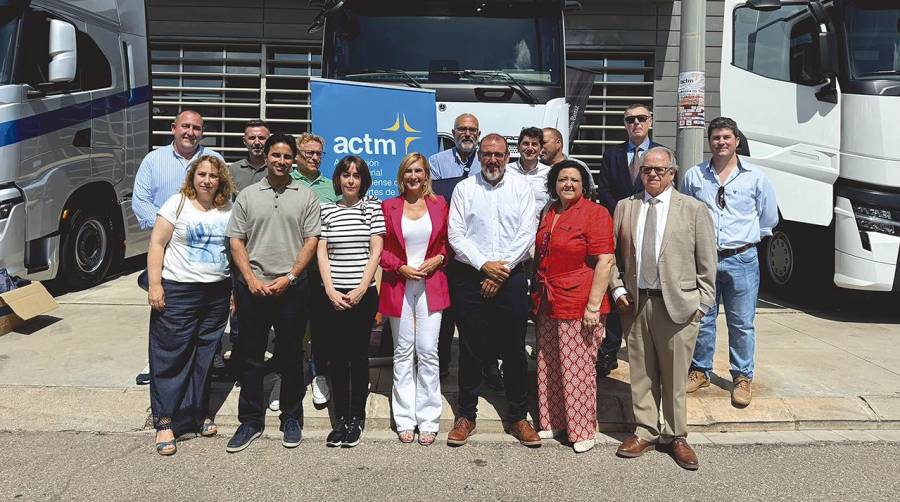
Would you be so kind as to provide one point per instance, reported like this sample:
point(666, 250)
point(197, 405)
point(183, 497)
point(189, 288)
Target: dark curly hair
point(553, 175)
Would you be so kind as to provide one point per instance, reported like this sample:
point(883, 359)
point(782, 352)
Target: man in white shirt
point(530, 168)
point(491, 228)
point(663, 283)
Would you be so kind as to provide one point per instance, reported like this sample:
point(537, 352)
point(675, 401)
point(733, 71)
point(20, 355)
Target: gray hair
point(673, 164)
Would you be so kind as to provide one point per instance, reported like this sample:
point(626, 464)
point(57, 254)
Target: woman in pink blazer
point(413, 294)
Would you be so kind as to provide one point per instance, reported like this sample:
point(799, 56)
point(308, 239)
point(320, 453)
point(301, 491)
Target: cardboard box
point(21, 304)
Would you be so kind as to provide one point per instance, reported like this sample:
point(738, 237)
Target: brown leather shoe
point(524, 432)
point(462, 429)
point(684, 455)
point(696, 380)
point(634, 447)
point(742, 392)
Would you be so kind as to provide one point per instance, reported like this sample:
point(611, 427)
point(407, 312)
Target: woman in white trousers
point(413, 293)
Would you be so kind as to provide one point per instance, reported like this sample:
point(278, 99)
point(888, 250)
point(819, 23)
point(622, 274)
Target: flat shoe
point(166, 448)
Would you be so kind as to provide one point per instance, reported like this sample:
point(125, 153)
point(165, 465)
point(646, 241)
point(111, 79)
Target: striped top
point(160, 176)
point(346, 231)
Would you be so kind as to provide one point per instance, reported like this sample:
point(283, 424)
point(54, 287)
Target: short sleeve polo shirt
point(274, 222)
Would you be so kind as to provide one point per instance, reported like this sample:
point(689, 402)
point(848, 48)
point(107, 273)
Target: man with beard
point(161, 175)
point(251, 168)
point(491, 229)
point(529, 166)
point(461, 159)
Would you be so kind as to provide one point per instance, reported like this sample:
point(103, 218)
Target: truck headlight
point(5, 209)
point(872, 219)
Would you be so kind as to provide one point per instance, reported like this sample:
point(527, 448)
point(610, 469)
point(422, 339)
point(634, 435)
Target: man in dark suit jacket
point(619, 179)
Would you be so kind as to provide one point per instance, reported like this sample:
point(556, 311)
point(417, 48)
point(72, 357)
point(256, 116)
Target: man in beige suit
point(663, 282)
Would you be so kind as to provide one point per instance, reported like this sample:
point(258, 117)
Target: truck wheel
point(87, 252)
point(795, 260)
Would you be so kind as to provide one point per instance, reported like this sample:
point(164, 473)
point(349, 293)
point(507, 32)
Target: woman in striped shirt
point(349, 250)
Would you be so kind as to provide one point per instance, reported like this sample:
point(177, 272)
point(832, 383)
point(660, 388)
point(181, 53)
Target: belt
point(651, 293)
point(725, 253)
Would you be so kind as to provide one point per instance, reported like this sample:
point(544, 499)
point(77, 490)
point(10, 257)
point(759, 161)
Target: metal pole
point(691, 85)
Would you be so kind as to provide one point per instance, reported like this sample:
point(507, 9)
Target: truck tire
point(796, 259)
point(88, 248)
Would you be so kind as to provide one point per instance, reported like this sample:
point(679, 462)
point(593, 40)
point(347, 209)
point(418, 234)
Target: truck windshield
point(9, 26)
point(446, 42)
point(873, 39)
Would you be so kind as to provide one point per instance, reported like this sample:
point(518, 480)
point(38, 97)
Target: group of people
point(515, 241)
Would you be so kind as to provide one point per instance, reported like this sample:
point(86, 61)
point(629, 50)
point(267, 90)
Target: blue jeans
point(737, 287)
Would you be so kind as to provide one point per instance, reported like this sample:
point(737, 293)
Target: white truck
point(74, 126)
point(494, 59)
point(815, 88)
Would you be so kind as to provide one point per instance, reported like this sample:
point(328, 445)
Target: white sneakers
point(320, 391)
point(550, 434)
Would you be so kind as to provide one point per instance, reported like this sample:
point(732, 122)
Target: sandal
point(406, 437)
point(166, 448)
point(427, 438)
point(209, 428)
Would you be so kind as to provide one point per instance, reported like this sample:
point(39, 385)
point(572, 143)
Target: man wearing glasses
point(310, 152)
point(742, 204)
point(619, 179)
point(460, 160)
point(663, 283)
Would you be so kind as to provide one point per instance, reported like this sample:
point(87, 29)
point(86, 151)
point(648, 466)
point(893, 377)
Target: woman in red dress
point(574, 255)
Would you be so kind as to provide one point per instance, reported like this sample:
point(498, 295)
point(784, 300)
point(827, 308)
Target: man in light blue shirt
point(162, 171)
point(742, 203)
point(161, 175)
point(461, 159)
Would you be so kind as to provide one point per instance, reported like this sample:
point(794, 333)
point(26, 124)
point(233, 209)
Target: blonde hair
point(226, 184)
point(408, 160)
point(307, 137)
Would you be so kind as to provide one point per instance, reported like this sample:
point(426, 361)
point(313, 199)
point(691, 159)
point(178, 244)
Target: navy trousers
point(286, 314)
point(487, 325)
point(184, 337)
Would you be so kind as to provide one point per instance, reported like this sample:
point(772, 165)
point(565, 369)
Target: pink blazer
point(393, 285)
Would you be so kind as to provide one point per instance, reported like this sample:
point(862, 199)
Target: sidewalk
point(74, 370)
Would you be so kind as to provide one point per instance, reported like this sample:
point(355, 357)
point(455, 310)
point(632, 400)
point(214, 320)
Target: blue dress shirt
point(160, 176)
point(644, 147)
point(447, 164)
point(750, 212)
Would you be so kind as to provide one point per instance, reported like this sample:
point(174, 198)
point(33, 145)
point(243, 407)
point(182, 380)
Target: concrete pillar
point(689, 140)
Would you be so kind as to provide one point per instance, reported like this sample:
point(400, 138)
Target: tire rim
point(90, 246)
point(780, 258)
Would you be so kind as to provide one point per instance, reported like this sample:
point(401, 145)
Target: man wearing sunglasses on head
point(742, 204)
point(619, 179)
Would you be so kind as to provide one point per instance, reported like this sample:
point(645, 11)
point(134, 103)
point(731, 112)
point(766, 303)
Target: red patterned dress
point(567, 351)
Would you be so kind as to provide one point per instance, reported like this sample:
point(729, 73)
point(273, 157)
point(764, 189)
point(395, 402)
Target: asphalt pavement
point(87, 466)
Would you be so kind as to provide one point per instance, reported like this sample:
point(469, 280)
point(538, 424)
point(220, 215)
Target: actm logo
point(377, 146)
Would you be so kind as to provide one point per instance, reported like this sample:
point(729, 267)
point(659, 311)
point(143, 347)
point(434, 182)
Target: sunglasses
point(720, 198)
point(659, 171)
point(637, 118)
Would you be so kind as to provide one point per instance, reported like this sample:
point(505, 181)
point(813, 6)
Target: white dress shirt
point(537, 180)
point(662, 213)
point(492, 222)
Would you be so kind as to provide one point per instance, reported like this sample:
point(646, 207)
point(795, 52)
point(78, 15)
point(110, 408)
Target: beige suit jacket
point(687, 257)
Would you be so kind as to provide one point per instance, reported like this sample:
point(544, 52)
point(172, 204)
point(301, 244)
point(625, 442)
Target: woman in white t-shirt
point(189, 293)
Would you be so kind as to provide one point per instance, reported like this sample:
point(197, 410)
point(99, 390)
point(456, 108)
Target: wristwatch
point(291, 278)
point(592, 311)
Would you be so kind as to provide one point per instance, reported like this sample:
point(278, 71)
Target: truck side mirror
point(63, 55)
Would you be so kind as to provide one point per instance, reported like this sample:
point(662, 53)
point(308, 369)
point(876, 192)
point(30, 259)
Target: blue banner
point(379, 123)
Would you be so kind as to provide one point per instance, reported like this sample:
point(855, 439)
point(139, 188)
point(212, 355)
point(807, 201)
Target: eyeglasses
point(312, 153)
point(636, 118)
point(492, 155)
point(720, 198)
point(659, 171)
point(463, 130)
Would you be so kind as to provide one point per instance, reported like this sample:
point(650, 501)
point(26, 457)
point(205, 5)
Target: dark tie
point(649, 272)
point(635, 166)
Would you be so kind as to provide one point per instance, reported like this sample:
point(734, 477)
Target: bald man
point(461, 159)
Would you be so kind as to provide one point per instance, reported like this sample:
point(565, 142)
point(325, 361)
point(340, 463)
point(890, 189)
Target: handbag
point(143, 279)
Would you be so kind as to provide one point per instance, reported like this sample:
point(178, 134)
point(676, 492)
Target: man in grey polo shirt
point(252, 168)
point(274, 230)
